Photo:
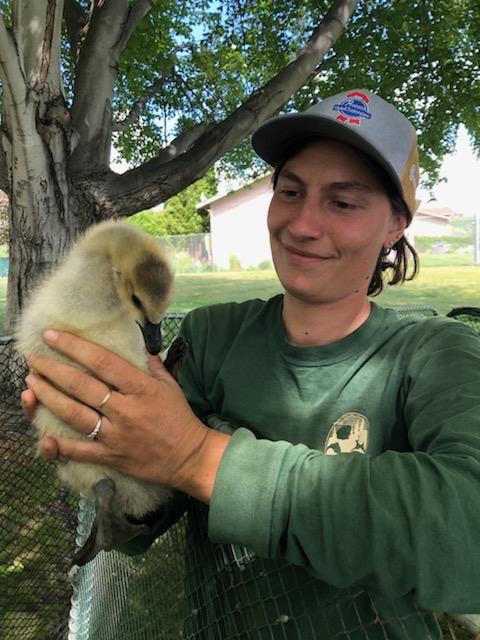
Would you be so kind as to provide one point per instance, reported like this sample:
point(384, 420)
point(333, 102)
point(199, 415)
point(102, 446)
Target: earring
point(390, 244)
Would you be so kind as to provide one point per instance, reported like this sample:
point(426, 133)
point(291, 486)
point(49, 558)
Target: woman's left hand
point(148, 429)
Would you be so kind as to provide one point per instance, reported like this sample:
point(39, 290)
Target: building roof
point(435, 210)
point(227, 193)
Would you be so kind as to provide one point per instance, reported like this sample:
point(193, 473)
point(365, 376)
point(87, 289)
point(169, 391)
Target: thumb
point(156, 367)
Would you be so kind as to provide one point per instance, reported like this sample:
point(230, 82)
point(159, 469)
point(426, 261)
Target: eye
point(288, 194)
point(345, 206)
point(136, 301)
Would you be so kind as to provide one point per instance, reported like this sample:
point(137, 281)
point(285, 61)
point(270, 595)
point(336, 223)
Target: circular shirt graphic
point(349, 434)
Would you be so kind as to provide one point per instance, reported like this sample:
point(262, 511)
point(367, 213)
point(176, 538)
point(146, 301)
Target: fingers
point(48, 448)
point(29, 403)
point(70, 411)
point(76, 383)
point(79, 450)
point(106, 365)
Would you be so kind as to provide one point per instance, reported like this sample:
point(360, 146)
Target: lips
point(303, 256)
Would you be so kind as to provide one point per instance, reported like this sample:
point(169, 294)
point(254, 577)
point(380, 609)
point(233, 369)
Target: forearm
point(393, 523)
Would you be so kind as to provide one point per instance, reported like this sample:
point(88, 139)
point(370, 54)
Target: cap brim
point(272, 139)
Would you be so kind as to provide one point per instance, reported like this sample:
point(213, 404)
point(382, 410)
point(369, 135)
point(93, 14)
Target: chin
point(310, 296)
point(306, 295)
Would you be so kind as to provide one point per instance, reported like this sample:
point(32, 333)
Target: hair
point(393, 264)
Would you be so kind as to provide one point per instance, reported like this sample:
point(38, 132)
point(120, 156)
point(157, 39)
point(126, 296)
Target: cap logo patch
point(353, 109)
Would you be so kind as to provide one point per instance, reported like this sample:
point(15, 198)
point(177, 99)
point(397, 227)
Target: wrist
point(197, 477)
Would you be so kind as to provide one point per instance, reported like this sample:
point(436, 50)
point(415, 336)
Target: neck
point(317, 324)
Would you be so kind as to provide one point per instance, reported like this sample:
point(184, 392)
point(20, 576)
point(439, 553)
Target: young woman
point(343, 475)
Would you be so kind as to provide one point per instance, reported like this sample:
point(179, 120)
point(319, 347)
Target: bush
point(426, 244)
point(264, 265)
point(235, 264)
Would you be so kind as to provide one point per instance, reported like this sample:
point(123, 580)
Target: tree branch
point(141, 102)
point(154, 182)
point(37, 30)
point(179, 145)
point(138, 106)
point(11, 73)
point(75, 20)
point(97, 70)
point(137, 12)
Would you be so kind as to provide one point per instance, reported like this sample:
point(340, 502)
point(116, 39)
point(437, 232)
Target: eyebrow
point(333, 186)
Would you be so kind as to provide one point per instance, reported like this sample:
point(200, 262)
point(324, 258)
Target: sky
point(461, 191)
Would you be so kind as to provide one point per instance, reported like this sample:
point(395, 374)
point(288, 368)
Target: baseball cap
point(359, 118)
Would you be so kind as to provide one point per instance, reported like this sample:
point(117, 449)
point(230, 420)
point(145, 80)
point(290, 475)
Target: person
point(336, 495)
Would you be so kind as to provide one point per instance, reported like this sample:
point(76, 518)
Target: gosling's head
point(144, 286)
point(142, 277)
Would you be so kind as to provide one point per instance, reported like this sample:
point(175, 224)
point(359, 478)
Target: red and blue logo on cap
point(353, 109)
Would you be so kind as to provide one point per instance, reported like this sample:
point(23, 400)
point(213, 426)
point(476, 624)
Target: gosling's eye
point(136, 301)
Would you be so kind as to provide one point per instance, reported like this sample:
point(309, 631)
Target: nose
point(308, 220)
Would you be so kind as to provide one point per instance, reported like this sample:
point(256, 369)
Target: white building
point(238, 224)
point(432, 220)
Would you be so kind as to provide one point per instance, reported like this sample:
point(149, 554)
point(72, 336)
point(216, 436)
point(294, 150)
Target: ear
point(396, 231)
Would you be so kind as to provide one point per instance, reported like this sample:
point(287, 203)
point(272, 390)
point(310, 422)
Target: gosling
point(114, 280)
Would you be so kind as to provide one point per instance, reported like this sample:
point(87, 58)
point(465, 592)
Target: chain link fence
point(145, 597)
point(37, 522)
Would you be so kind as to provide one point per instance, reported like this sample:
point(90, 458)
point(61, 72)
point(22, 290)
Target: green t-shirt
point(346, 501)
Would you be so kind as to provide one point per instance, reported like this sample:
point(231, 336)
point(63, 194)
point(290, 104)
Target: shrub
point(235, 264)
point(264, 265)
point(426, 244)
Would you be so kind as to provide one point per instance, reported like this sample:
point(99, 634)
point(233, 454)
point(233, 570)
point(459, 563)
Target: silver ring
point(106, 399)
point(93, 435)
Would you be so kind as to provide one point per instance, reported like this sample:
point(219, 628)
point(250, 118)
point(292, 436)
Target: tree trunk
point(36, 140)
point(46, 213)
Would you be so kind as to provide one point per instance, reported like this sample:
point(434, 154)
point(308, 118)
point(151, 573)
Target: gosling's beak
point(152, 334)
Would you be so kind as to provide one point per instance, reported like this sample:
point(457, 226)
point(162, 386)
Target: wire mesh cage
point(116, 597)
point(38, 517)
point(37, 522)
point(182, 587)
point(468, 315)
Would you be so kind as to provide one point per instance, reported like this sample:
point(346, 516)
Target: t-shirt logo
point(349, 434)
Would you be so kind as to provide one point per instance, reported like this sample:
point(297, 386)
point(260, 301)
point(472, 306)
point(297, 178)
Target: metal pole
point(476, 234)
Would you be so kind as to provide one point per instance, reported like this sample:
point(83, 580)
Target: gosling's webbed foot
point(175, 356)
point(109, 529)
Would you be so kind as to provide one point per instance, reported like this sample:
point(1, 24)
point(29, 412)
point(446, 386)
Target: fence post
point(476, 236)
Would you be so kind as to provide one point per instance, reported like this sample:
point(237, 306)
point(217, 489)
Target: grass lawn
point(444, 282)
point(441, 287)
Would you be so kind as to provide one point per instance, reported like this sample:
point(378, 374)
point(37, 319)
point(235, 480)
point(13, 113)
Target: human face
point(328, 220)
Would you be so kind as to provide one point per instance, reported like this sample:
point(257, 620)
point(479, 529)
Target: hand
point(148, 429)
